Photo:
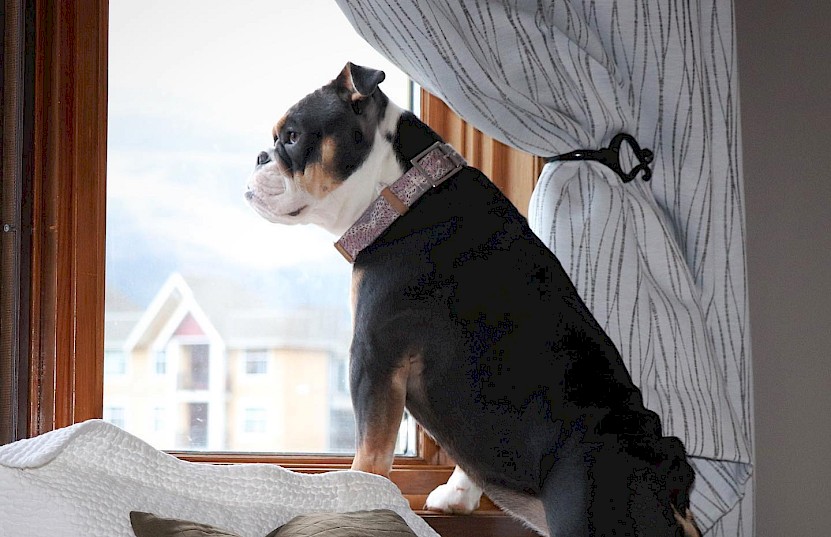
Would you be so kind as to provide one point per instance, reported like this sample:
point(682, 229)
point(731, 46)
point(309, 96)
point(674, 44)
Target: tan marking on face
point(318, 179)
point(275, 131)
point(328, 148)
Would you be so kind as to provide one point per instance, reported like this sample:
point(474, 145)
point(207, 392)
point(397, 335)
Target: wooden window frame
point(66, 285)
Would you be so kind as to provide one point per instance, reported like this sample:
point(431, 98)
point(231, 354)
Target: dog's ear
point(355, 83)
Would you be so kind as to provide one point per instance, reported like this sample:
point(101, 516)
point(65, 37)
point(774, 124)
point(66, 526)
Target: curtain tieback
point(610, 157)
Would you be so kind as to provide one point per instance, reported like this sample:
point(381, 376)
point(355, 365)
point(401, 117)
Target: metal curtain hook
point(610, 157)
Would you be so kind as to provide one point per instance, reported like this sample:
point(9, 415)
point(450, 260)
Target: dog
point(463, 316)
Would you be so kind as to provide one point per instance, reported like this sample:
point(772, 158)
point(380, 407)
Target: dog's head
point(330, 151)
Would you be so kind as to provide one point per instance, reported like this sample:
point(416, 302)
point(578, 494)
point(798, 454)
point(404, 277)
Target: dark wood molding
point(68, 213)
point(479, 524)
point(16, 91)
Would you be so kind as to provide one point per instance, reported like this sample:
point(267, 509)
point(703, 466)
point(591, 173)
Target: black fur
point(520, 384)
point(503, 362)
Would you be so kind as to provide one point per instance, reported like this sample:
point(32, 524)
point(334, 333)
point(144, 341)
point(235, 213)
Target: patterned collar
point(431, 168)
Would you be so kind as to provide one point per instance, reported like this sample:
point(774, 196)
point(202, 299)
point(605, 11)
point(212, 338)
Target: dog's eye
point(289, 138)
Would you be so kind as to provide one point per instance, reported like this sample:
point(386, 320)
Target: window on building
point(254, 420)
point(160, 362)
point(115, 363)
point(194, 432)
point(159, 419)
point(340, 376)
point(115, 415)
point(342, 430)
point(194, 370)
point(256, 362)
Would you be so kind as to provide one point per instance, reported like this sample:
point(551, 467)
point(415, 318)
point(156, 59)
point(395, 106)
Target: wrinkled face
point(318, 145)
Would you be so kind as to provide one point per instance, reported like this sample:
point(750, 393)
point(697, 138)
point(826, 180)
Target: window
point(220, 288)
point(194, 434)
point(159, 419)
point(115, 415)
point(256, 362)
point(160, 362)
point(67, 336)
point(194, 369)
point(255, 421)
point(340, 377)
point(115, 363)
point(342, 430)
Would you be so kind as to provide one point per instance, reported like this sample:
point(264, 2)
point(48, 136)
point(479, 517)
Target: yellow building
point(205, 366)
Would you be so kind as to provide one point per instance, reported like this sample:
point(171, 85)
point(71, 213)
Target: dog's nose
point(249, 194)
point(262, 158)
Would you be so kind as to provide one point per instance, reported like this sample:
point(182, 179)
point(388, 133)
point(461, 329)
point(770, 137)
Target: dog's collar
point(431, 168)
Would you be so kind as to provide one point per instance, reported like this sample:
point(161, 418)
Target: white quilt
point(85, 479)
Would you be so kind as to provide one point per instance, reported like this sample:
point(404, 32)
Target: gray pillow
point(149, 525)
point(376, 523)
point(379, 522)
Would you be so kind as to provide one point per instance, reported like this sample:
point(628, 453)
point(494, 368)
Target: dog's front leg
point(378, 399)
point(460, 495)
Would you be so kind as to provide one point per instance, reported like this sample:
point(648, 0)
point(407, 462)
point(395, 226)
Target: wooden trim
point(414, 476)
point(431, 452)
point(69, 198)
point(303, 462)
point(514, 172)
point(16, 90)
point(479, 524)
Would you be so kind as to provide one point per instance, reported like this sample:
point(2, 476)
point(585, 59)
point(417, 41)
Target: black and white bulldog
point(465, 318)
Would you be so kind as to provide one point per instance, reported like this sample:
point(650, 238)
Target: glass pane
point(223, 332)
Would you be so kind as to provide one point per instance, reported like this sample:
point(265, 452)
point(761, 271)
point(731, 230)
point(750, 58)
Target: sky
point(194, 89)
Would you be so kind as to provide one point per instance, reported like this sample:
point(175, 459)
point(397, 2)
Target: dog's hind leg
point(525, 507)
point(602, 490)
point(566, 496)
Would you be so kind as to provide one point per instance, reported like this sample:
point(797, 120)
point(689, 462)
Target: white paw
point(458, 496)
point(449, 499)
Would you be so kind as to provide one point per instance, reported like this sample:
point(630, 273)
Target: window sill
point(478, 524)
point(413, 477)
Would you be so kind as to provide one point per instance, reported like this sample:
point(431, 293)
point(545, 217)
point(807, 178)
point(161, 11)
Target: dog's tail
point(677, 477)
point(663, 467)
point(663, 474)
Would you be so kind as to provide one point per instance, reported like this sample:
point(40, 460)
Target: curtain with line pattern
point(661, 264)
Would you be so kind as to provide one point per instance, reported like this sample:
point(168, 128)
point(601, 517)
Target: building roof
point(121, 316)
point(234, 313)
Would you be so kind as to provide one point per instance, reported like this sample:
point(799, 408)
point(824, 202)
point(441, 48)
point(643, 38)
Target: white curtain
point(660, 263)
